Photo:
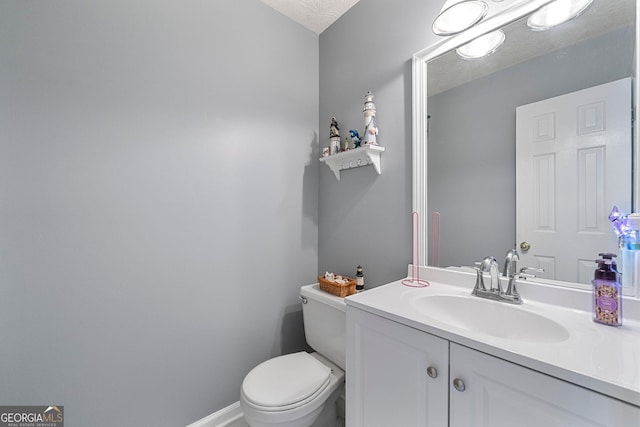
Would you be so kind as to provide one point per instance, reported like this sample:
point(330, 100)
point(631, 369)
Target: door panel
point(573, 164)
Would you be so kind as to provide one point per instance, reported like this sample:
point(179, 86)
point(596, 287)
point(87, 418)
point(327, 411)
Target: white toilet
point(300, 389)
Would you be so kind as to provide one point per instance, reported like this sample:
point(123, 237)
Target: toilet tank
point(325, 323)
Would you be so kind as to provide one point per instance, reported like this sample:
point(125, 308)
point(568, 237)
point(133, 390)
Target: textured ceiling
point(315, 15)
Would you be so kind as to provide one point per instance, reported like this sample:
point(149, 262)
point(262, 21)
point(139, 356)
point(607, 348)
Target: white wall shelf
point(361, 156)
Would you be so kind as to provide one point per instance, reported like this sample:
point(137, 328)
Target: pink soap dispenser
point(607, 292)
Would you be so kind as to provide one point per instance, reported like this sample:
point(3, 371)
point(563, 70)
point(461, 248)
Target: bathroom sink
point(492, 318)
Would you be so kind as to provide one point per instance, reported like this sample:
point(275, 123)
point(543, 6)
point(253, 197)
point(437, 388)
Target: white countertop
point(598, 357)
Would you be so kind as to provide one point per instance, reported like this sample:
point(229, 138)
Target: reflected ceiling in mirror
point(522, 44)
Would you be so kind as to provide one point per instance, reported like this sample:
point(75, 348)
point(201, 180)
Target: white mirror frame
point(419, 105)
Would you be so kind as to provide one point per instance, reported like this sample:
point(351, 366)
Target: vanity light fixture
point(556, 13)
point(459, 15)
point(481, 46)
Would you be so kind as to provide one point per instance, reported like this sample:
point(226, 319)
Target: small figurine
point(370, 126)
point(346, 146)
point(334, 136)
point(626, 228)
point(355, 138)
point(334, 130)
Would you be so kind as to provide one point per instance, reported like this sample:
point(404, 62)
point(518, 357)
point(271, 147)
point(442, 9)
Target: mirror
point(465, 123)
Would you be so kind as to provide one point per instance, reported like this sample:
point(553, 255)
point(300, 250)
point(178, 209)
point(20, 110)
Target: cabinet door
point(388, 383)
point(501, 394)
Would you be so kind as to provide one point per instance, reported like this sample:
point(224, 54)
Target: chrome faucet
point(509, 271)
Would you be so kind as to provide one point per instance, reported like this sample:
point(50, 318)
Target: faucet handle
point(525, 272)
point(512, 294)
point(479, 279)
point(490, 265)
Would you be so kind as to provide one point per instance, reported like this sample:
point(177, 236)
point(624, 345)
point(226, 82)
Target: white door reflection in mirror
point(573, 152)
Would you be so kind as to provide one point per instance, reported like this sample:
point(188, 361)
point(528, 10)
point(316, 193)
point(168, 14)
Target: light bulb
point(481, 46)
point(556, 13)
point(457, 17)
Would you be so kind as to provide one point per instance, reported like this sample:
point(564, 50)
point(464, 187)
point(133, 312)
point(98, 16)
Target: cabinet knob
point(432, 372)
point(458, 384)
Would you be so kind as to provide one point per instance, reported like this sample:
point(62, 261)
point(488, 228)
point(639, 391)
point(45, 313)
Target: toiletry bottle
point(359, 279)
point(607, 292)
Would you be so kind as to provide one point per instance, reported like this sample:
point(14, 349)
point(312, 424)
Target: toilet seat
point(299, 379)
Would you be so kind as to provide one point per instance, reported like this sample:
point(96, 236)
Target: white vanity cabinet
point(388, 384)
point(499, 393)
point(396, 375)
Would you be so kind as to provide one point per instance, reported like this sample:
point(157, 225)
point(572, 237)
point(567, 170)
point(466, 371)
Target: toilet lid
point(285, 380)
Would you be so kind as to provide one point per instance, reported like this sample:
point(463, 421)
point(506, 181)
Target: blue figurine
point(355, 137)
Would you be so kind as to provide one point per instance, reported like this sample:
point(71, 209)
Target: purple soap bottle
point(607, 292)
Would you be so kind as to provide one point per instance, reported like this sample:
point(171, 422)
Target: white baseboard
point(223, 418)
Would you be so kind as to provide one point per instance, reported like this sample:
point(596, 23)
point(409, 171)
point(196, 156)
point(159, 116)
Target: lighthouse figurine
point(334, 136)
point(370, 127)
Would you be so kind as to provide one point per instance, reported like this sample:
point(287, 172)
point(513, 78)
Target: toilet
point(301, 389)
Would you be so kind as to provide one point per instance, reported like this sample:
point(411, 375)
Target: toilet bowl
point(300, 389)
point(291, 391)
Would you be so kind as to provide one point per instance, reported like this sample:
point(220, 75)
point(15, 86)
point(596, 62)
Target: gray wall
point(158, 202)
point(471, 151)
point(365, 218)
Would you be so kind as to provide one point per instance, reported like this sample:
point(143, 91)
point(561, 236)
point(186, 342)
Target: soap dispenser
point(607, 292)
